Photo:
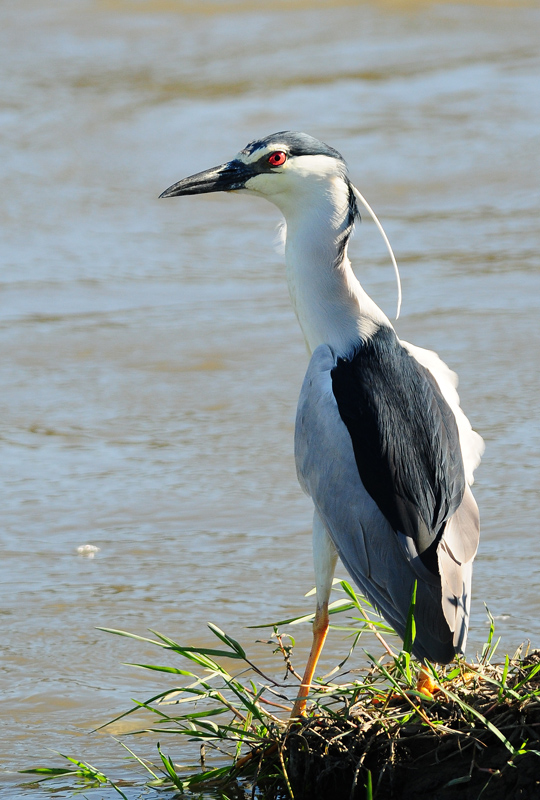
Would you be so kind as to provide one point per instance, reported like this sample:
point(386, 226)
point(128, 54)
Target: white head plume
point(370, 211)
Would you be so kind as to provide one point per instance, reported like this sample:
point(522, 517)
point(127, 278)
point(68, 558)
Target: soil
point(414, 765)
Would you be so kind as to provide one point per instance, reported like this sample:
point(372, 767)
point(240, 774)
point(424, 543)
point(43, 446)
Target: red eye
point(277, 159)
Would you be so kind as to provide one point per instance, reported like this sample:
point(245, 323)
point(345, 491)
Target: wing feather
point(472, 444)
point(405, 438)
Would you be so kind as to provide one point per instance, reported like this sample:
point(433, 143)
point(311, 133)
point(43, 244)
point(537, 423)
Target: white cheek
point(265, 183)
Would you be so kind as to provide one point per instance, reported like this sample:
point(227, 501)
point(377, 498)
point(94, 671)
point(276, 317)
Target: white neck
point(331, 306)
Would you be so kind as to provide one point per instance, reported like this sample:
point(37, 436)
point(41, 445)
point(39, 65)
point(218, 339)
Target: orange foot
point(425, 684)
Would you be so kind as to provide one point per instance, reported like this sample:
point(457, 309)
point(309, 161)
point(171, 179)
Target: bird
point(382, 445)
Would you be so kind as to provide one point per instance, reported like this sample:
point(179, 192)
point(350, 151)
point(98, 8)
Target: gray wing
point(383, 563)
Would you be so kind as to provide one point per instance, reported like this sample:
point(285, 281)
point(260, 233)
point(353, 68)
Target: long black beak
point(225, 178)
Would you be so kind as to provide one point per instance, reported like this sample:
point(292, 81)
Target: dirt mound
point(332, 759)
point(479, 736)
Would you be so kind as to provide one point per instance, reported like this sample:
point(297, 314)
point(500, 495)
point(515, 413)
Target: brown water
point(150, 360)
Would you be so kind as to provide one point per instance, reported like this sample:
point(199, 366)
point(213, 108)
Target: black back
point(405, 439)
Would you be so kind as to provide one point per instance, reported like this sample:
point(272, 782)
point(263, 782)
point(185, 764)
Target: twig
point(377, 634)
point(359, 765)
point(285, 775)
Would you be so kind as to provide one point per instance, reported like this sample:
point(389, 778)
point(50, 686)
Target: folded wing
point(378, 449)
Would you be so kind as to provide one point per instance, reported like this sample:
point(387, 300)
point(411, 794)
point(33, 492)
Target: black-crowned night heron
point(382, 445)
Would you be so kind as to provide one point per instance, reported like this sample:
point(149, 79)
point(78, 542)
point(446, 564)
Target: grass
point(368, 733)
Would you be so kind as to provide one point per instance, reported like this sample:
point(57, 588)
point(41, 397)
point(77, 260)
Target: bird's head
point(302, 176)
point(285, 168)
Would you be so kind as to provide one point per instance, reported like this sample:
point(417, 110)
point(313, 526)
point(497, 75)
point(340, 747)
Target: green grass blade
point(136, 757)
point(336, 607)
point(226, 639)
point(482, 719)
point(170, 770)
point(529, 677)
point(502, 690)
point(410, 628)
point(157, 668)
point(128, 635)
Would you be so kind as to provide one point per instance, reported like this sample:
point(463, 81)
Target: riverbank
point(368, 732)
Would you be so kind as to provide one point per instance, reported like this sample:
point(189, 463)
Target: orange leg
point(320, 629)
